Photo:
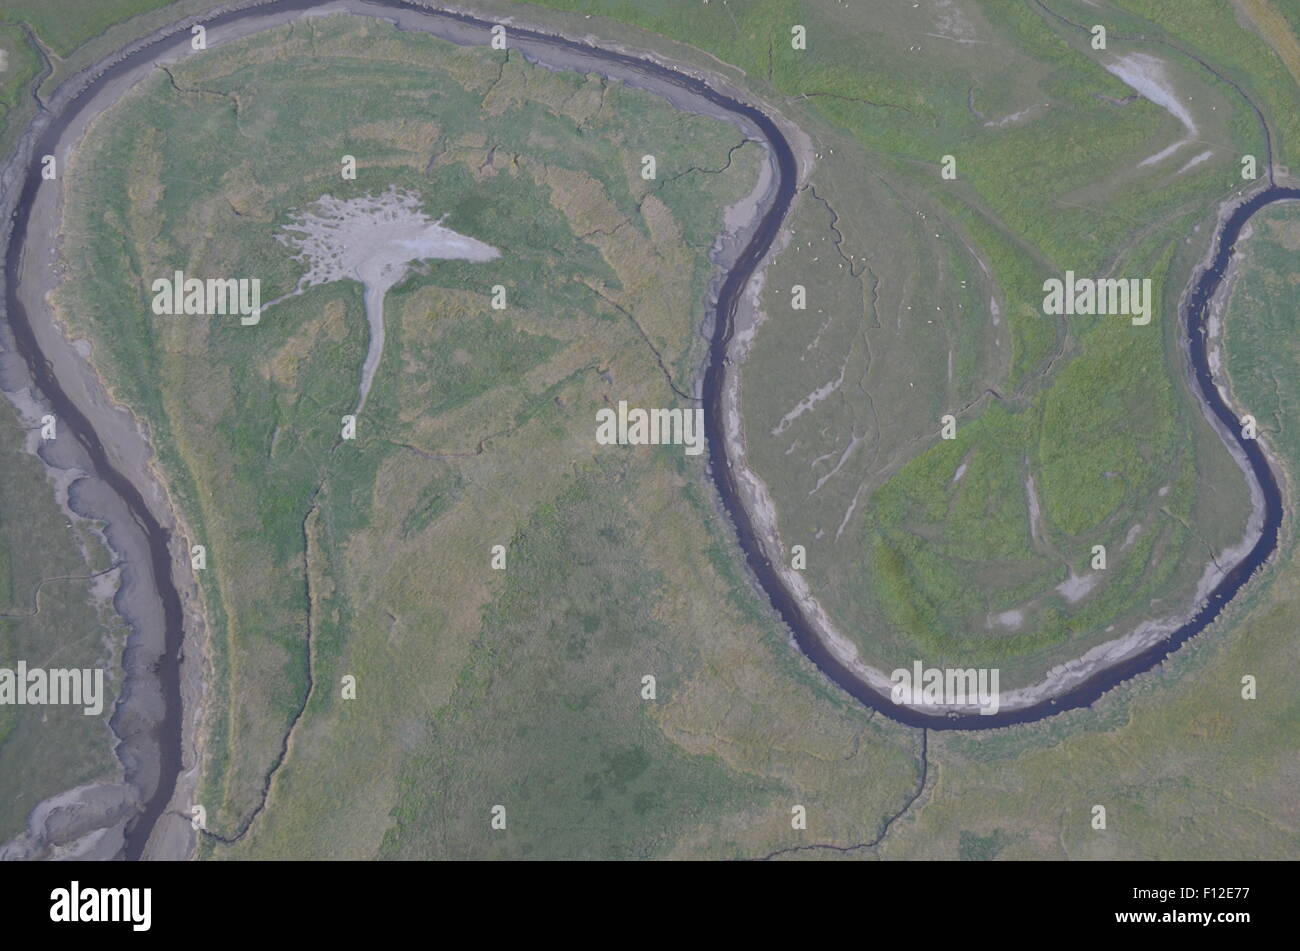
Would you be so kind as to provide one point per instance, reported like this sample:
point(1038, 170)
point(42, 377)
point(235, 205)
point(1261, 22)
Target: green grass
point(926, 300)
point(480, 687)
point(548, 719)
point(20, 67)
point(65, 24)
point(479, 430)
point(1179, 748)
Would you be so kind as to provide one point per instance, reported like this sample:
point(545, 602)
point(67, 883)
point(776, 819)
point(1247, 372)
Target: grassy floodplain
point(19, 65)
point(926, 300)
point(1189, 769)
point(64, 25)
point(58, 28)
point(1072, 432)
point(475, 687)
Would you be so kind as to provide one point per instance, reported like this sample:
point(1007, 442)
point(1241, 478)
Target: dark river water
point(731, 288)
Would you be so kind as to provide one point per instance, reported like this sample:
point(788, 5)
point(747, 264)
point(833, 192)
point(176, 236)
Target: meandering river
point(742, 262)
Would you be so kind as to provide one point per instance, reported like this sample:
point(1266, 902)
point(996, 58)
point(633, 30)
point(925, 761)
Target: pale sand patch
point(1031, 111)
point(1076, 586)
point(1011, 620)
point(809, 401)
point(1196, 160)
point(372, 239)
point(1146, 75)
point(1035, 510)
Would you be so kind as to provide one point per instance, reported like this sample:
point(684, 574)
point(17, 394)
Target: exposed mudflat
point(83, 823)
